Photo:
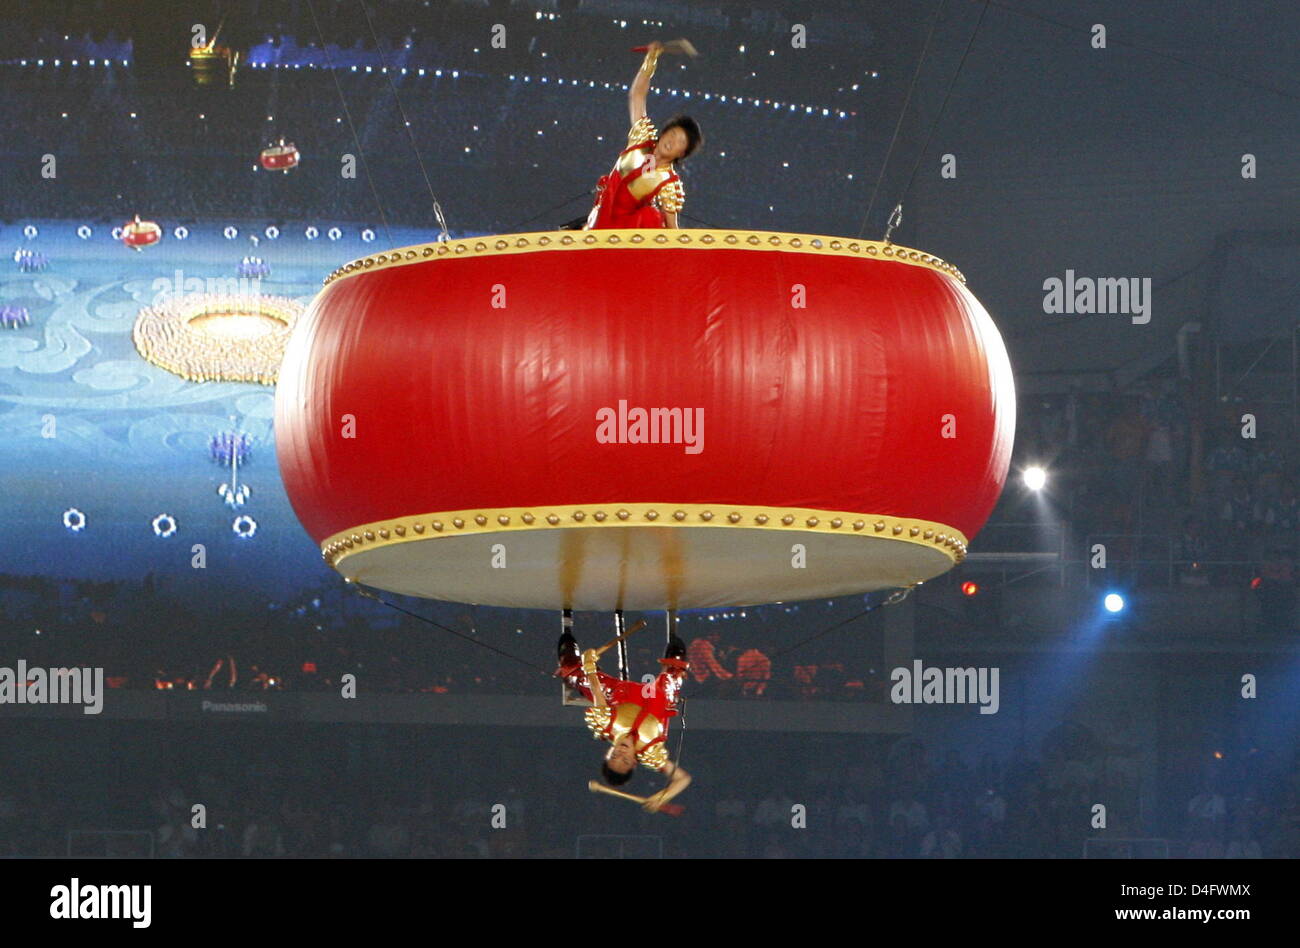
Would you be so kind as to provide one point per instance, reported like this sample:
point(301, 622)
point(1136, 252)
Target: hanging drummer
point(643, 188)
point(631, 715)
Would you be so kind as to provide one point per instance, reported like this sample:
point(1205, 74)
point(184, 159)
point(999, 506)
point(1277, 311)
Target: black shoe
point(676, 647)
point(568, 651)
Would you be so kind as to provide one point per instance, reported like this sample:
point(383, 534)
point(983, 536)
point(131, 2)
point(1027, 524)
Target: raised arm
point(641, 84)
point(593, 678)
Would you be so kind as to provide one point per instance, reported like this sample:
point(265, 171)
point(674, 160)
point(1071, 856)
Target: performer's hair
point(613, 777)
point(694, 137)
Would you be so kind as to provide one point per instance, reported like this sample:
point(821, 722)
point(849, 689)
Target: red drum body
point(644, 419)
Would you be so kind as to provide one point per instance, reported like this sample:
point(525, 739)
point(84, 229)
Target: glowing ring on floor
point(311, 233)
point(272, 232)
point(181, 232)
point(30, 231)
point(230, 233)
point(116, 233)
point(84, 232)
point(334, 233)
point(164, 525)
point(367, 235)
point(198, 338)
point(244, 526)
point(74, 519)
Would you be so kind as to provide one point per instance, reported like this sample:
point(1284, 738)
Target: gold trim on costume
point(368, 536)
point(642, 132)
point(648, 237)
point(672, 198)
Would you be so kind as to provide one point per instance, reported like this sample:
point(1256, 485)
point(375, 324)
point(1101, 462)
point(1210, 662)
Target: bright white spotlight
point(1114, 602)
point(1035, 478)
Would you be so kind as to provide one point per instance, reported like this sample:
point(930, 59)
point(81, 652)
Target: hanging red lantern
point(138, 234)
point(644, 419)
point(280, 157)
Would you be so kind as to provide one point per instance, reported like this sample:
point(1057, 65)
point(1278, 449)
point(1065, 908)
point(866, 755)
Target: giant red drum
point(644, 419)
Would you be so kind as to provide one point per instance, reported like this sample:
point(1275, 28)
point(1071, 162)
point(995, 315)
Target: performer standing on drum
point(631, 715)
point(643, 189)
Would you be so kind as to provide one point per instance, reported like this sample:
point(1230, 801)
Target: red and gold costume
point(636, 192)
point(641, 709)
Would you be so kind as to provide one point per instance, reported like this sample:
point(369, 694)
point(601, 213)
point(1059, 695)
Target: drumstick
point(672, 46)
point(595, 786)
point(615, 640)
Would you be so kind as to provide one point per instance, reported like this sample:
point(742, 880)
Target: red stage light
point(969, 589)
point(1256, 582)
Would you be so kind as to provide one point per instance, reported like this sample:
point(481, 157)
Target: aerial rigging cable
point(437, 208)
point(896, 216)
point(348, 112)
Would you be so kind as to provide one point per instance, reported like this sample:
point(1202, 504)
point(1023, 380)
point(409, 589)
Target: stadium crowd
point(265, 796)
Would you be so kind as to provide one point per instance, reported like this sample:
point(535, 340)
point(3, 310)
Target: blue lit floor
point(130, 439)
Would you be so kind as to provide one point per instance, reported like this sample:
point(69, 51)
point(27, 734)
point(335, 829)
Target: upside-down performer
point(632, 716)
point(643, 189)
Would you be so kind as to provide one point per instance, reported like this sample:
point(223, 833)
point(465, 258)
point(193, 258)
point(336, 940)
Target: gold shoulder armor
point(597, 720)
point(672, 198)
point(654, 756)
point(643, 130)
